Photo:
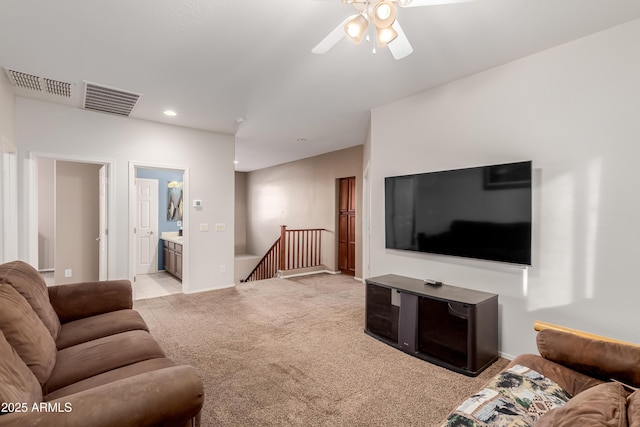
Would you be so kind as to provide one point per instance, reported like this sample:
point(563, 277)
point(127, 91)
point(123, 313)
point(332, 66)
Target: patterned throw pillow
point(517, 397)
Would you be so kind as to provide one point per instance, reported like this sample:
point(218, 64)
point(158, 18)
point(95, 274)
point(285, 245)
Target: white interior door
point(146, 229)
point(103, 230)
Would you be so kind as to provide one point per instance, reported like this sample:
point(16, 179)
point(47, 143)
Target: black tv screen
point(480, 212)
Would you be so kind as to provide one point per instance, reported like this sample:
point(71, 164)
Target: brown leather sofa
point(79, 355)
point(578, 379)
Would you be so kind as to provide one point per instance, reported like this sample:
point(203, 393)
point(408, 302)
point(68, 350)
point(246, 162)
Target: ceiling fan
point(378, 18)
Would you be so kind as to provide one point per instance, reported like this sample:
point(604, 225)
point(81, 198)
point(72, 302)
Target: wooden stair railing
point(294, 249)
point(268, 265)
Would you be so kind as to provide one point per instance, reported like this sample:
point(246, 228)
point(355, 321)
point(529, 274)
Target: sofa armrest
point(592, 356)
point(166, 397)
point(79, 300)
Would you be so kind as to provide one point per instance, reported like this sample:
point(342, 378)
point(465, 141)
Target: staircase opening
point(294, 250)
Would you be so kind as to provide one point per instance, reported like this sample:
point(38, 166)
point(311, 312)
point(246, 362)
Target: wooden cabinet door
point(347, 225)
point(165, 258)
point(178, 272)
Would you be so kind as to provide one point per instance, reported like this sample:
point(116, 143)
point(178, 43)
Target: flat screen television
point(479, 212)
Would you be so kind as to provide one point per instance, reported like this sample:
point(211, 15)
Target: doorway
point(347, 225)
point(70, 212)
point(152, 188)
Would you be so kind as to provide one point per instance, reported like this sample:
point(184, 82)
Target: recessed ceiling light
point(301, 139)
point(235, 162)
point(170, 113)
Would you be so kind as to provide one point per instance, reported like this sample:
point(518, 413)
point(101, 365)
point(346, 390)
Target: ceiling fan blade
point(417, 3)
point(332, 38)
point(400, 47)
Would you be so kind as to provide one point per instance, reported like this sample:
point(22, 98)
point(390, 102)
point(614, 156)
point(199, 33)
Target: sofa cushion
point(26, 333)
point(86, 360)
point(603, 405)
point(633, 409)
point(75, 301)
point(111, 376)
point(101, 325)
point(17, 382)
point(596, 358)
point(31, 285)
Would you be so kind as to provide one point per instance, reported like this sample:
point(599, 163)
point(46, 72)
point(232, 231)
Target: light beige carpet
point(284, 352)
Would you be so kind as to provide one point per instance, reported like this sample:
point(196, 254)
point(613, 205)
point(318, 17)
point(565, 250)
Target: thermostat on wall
point(197, 203)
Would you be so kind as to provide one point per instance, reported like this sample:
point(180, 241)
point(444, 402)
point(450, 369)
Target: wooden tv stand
point(452, 327)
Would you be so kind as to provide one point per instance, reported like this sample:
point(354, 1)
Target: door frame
point(133, 165)
point(366, 222)
point(31, 203)
point(8, 201)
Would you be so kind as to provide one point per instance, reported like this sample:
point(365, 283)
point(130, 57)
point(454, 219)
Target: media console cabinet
point(452, 327)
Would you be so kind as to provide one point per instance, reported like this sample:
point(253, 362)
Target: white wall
point(575, 111)
point(48, 128)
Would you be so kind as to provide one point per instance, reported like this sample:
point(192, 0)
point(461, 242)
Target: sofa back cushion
point(26, 333)
point(17, 382)
point(600, 359)
point(603, 405)
point(31, 285)
point(633, 409)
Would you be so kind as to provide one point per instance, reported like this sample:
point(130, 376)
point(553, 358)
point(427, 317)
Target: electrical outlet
point(67, 272)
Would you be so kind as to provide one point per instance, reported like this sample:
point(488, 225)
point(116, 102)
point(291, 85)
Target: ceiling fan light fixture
point(384, 14)
point(356, 28)
point(386, 35)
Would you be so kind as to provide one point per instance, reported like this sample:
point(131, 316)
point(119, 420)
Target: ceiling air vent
point(109, 100)
point(39, 84)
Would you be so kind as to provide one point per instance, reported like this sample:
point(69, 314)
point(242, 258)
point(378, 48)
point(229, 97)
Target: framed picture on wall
point(175, 201)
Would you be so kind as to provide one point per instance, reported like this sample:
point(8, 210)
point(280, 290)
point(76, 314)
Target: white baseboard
point(213, 288)
point(308, 273)
point(506, 355)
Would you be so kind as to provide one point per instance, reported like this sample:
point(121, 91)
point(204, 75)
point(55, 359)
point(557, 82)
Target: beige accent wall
point(240, 213)
point(46, 213)
point(77, 214)
point(303, 194)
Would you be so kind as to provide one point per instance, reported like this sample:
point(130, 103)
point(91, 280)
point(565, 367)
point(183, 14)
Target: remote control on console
point(433, 283)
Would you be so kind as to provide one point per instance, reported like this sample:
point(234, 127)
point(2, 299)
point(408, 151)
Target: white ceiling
point(213, 61)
